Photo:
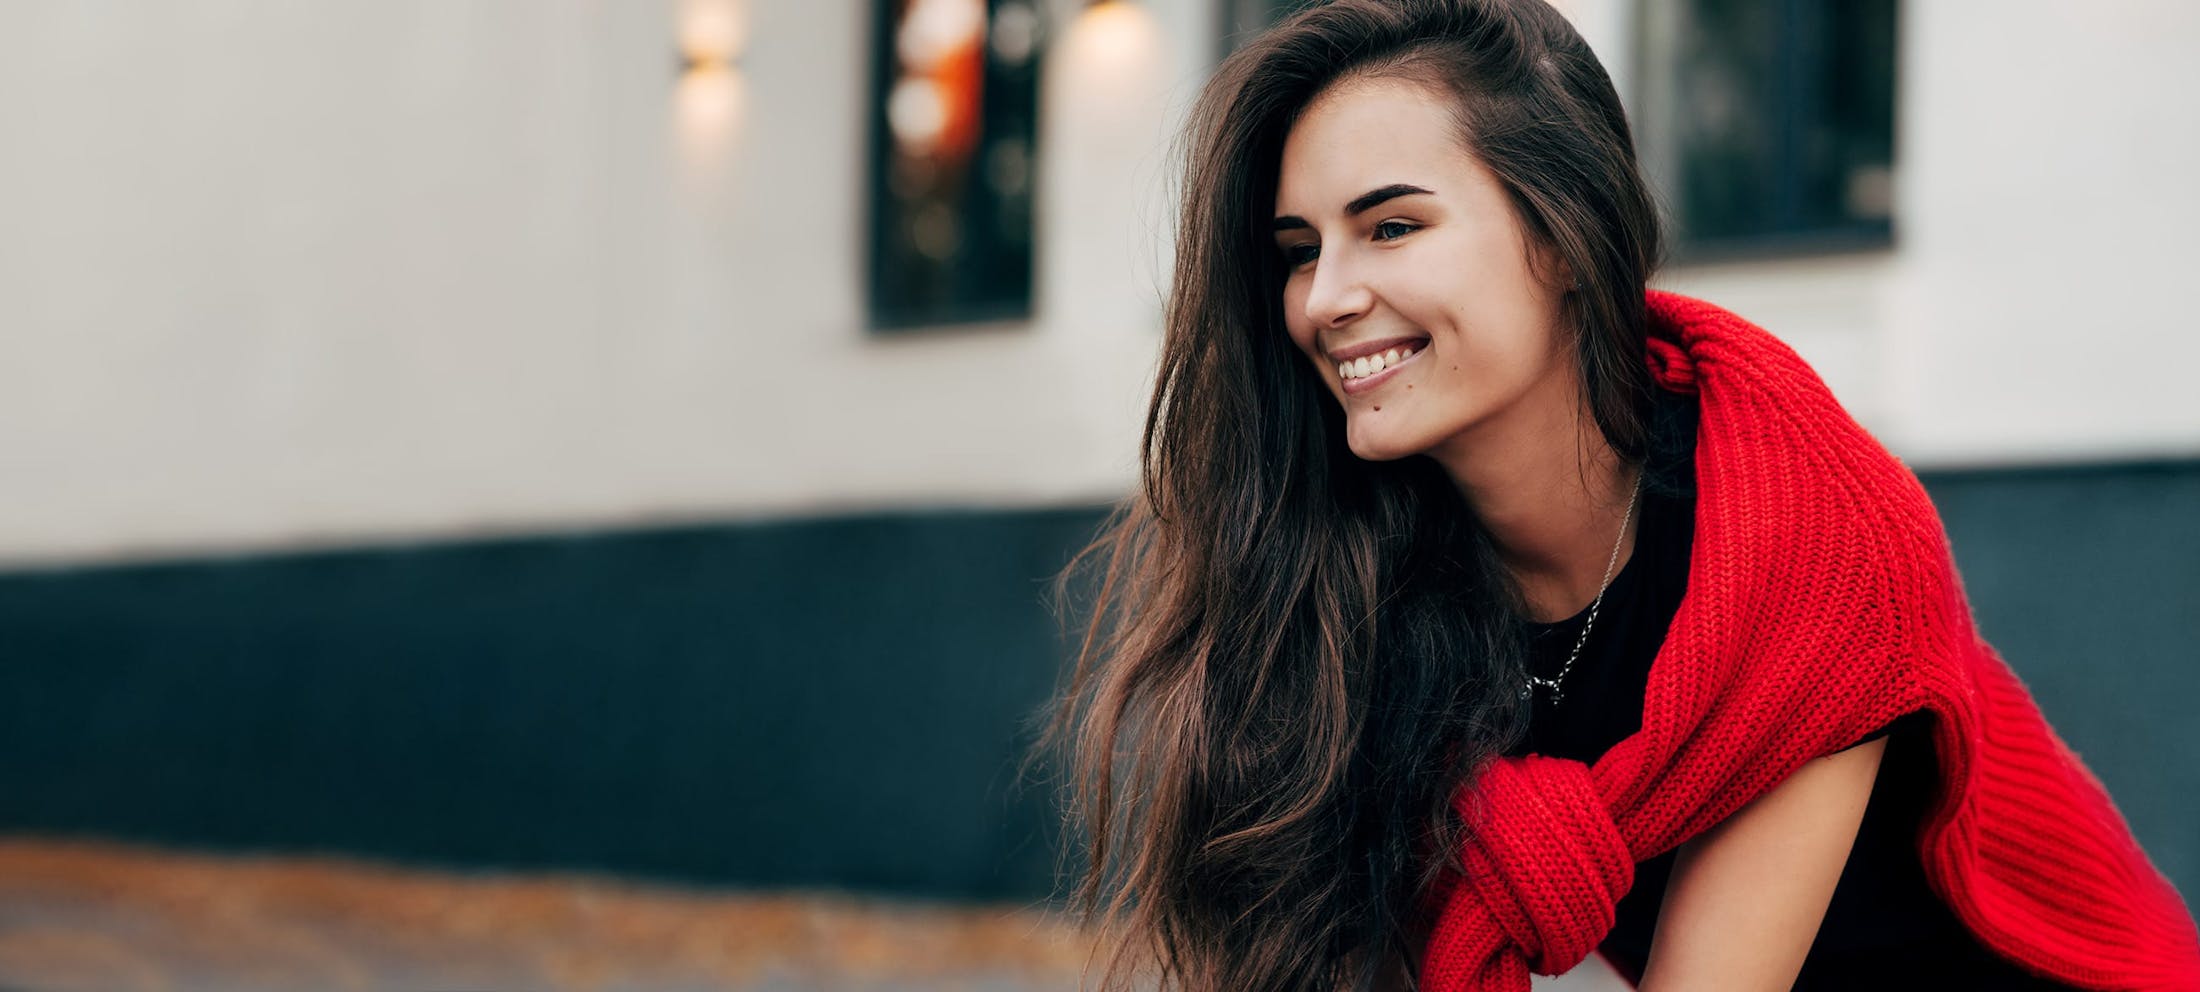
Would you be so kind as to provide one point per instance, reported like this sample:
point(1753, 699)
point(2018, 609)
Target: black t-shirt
point(1884, 925)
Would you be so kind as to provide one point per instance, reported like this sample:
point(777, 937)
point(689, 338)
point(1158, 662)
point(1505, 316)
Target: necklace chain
point(1553, 683)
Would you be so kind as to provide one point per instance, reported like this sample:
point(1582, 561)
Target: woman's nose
point(1339, 295)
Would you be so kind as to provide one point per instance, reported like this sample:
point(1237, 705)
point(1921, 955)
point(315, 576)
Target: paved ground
point(109, 918)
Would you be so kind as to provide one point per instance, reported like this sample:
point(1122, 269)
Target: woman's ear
point(1569, 281)
point(1545, 263)
point(1562, 273)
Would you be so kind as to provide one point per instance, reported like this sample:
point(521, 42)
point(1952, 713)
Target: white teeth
point(1360, 368)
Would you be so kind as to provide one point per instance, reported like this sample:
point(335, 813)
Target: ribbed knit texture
point(1823, 601)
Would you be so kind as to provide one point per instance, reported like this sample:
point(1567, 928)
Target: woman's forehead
point(1362, 134)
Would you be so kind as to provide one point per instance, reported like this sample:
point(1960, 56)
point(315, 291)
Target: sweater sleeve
point(1545, 868)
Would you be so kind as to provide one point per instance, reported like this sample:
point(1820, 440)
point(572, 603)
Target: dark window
point(954, 127)
point(1768, 125)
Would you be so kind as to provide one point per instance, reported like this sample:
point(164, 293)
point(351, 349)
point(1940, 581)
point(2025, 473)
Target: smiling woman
point(1310, 623)
point(1440, 261)
point(1414, 388)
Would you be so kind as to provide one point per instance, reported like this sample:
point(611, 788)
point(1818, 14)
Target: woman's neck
point(1553, 495)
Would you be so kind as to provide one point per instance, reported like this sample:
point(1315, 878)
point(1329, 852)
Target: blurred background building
point(560, 493)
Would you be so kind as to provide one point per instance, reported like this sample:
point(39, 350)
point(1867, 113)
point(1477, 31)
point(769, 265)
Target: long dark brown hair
point(1294, 657)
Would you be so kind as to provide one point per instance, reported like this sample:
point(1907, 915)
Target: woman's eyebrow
point(1360, 204)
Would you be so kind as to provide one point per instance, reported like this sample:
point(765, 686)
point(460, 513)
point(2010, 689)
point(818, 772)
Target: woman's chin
point(1380, 446)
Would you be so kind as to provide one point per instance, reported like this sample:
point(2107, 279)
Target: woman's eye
point(1401, 227)
point(1389, 230)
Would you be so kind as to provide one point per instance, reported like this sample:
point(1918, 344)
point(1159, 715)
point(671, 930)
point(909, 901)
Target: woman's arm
point(1747, 895)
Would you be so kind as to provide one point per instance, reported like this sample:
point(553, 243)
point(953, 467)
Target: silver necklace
point(1553, 683)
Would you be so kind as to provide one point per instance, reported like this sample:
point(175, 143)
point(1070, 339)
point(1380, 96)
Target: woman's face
point(1398, 242)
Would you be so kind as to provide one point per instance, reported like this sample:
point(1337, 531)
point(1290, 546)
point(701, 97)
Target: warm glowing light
point(712, 31)
point(935, 30)
point(708, 101)
point(917, 114)
point(934, 106)
point(708, 105)
point(1113, 44)
point(1114, 37)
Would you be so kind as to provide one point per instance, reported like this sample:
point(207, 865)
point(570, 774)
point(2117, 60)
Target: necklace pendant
point(1558, 694)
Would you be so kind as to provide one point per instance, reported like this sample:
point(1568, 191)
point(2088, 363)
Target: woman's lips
point(1354, 387)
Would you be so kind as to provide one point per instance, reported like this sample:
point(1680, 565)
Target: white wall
point(2035, 308)
point(278, 274)
point(282, 274)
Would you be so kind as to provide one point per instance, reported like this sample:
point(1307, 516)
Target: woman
point(1409, 664)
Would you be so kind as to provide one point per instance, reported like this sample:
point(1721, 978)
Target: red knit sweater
point(1822, 602)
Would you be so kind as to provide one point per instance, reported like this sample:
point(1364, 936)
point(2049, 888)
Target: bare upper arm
point(1747, 895)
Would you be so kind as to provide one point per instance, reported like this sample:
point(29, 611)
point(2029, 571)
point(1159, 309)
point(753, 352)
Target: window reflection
point(953, 140)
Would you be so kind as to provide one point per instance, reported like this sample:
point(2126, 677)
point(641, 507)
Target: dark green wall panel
point(833, 702)
point(2088, 583)
point(829, 702)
